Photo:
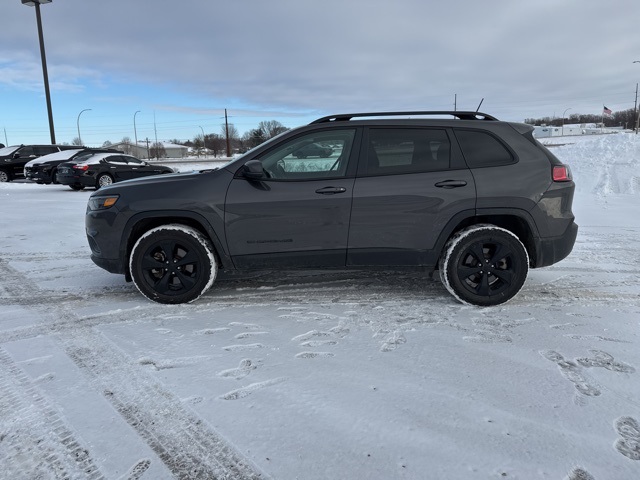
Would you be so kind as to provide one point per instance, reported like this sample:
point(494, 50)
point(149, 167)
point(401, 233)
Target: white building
point(143, 149)
point(545, 131)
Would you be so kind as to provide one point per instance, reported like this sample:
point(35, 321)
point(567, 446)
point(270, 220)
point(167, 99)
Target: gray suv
point(478, 199)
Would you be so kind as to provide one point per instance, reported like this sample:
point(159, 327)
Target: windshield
point(8, 150)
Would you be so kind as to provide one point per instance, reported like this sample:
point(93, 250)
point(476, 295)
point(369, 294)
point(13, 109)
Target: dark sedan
point(313, 150)
point(44, 169)
point(103, 169)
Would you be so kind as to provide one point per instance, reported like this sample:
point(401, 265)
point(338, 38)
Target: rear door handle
point(331, 190)
point(451, 184)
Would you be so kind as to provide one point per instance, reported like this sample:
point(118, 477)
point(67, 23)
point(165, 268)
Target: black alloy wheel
point(484, 265)
point(173, 264)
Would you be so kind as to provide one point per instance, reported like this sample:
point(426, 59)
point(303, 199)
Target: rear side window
point(483, 150)
point(44, 150)
point(406, 150)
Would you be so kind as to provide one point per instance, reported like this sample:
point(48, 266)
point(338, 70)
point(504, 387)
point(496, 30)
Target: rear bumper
point(551, 250)
point(76, 180)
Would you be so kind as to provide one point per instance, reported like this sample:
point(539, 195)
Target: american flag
point(606, 111)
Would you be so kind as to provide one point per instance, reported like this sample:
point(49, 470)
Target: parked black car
point(313, 150)
point(14, 158)
point(479, 199)
point(102, 169)
point(44, 169)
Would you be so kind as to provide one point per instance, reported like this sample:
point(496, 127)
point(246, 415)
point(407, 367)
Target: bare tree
point(76, 141)
point(157, 150)
point(271, 128)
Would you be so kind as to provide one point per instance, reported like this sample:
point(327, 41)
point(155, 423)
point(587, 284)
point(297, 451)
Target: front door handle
point(331, 190)
point(451, 184)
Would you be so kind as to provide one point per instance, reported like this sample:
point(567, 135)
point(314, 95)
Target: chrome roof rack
point(461, 115)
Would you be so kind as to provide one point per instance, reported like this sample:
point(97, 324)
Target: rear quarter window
point(480, 149)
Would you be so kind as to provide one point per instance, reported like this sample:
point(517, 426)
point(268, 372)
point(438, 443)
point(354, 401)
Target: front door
point(298, 213)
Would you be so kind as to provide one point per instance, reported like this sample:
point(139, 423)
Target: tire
point(173, 264)
point(103, 180)
point(484, 265)
point(76, 187)
point(4, 176)
point(54, 172)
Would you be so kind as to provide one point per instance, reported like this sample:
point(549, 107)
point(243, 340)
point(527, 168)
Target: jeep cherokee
point(478, 199)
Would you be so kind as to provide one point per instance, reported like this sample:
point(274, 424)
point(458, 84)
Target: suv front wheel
point(484, 265)
point(173, 264)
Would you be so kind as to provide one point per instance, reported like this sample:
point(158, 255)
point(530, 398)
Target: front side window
point(25, 151)
point(311, 156)
point(116, 160)
point(133, 161)
point(406, 150)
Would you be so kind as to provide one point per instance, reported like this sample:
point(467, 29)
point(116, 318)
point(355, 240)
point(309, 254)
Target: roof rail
point(462, 115)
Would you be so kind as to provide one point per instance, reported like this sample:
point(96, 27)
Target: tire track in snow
point(36, 441)
point(186, 446)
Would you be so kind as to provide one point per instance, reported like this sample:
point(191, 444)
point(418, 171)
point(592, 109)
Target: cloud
point(524, 58)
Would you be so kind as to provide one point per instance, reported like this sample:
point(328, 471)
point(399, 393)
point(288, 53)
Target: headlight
point(102, 202)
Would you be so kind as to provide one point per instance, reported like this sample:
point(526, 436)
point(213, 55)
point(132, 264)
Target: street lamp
point(563, 119)
point(135, 131)
point(78, 124)
point(45, 75)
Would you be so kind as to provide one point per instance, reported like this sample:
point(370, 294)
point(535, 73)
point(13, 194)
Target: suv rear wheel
point(484, 265)
point(173, 264)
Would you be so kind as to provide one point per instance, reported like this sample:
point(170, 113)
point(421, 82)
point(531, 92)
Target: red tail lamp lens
point(561, 173)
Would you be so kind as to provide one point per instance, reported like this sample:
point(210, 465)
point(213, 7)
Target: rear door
point(410, 183)
point(298, 214)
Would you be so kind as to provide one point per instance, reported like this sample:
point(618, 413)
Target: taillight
point(561, 173)
point(81, 166)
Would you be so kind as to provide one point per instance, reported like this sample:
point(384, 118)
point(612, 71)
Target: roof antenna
point(477, 109)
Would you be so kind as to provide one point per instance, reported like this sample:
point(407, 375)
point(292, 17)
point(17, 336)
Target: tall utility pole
point(45, 75)
point(636, 114)
point(226, 129)
point(635, 111)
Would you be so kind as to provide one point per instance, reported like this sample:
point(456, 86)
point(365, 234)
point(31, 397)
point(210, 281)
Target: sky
point(181, 64)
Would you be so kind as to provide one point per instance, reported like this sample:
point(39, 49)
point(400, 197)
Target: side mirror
point(253, 170)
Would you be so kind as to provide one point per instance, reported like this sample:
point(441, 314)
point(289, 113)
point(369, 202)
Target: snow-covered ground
point(324, 375)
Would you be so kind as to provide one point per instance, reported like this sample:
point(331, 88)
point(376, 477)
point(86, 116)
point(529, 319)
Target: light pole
point(45, 75)
point(78, 124)
point(563, 119)
point(204, 143)
point(135, 131)
point(635, 107)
